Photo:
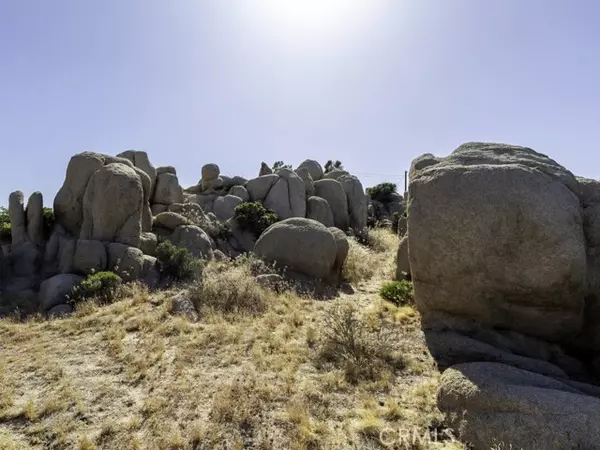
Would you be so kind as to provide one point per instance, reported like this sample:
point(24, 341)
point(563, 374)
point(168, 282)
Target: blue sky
point(239, 82)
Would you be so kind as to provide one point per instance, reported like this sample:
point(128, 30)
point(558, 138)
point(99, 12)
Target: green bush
point(382, 192)
point(48, 221)
point(102, 286)
point(280, 165)
point(399, 293)
point(5, 228)
point(178, 263)
point(5, 233)
point(253, 216)
point(332, 165)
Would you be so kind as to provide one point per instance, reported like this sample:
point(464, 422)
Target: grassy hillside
point(259, 370)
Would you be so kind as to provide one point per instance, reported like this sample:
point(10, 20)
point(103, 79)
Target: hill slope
point(278, 372)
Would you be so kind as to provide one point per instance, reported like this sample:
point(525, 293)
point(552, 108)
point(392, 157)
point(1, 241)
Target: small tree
point(5, 232)
point(178, 263)
point(254, 217)
point(281, 165)
point(382, 192)
point(332, 165)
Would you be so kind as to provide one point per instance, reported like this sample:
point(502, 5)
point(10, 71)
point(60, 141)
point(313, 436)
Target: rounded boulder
point(302, 245)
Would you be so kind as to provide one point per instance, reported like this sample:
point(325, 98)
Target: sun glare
point(309, 19)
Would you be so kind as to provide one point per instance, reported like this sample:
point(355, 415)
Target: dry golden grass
point(377, 260)
point(248, 375)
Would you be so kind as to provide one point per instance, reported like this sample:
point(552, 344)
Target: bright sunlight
point(314, 19)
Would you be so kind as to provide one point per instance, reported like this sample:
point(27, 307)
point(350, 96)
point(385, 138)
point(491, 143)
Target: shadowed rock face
point(501, 248)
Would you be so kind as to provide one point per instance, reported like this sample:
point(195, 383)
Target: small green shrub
point(178, 263)
point(382, 192)
point(101, 286)
point(5, 233)
point(399, 293)
point(5, 228)
point(280, 165)
point(253, 216)
point(48, 221)
point(332, 165)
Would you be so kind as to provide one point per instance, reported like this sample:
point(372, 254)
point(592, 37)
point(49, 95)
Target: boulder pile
point(112, 211)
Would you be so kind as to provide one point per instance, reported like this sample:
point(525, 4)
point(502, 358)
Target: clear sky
point(373, 83)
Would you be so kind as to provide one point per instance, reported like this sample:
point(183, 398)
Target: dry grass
point(248, 375)
point(376, 260)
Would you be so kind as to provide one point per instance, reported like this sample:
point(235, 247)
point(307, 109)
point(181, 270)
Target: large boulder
point(343, 247)
point(357, 202)
point(90, 256)
point(314, 169)
point(70, 210)
point(258, 188)
point(168, 190)
point(402, 261)
point(113, 205)
point(35, 219)
point(193, 239)
point(170, 220)
point(301, 245)
point(240, 191)
point(333, 192)
point(493, 404)
point(18, 222)
point(125, 261)
point(287, 196)
point(496, 235)
point(309, 184)
point(140, 160)
point(210, 172)
point(318, 209)
point(224, 207)
point(68, 203)
point(55, 291)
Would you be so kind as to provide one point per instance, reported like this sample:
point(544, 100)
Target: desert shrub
point(5, 228)
point(254, 217)
point(332, 165)
point(103, 287)
point(363, 352)
point(48, 221)
point(360, 264)
point(379, 240)
point(382, 192)
point(231, 289)
point(281, 165)
point(400, 293)
point(5, 233)
point(177, 263)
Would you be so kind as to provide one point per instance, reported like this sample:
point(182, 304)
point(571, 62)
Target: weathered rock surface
point(168, 190)
point(314, 169)
point(496, 234)
point(286, 197)
point(258, 188)
point(333, 192)
point(194, 239)
point(318, 209)
point(357, 203)
point(402, 261)
point(112, 206)
point(493, 404)
point(224, 207)
point(170, 220)
point(90, 256)
point(302, 245)
point(54, 291)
